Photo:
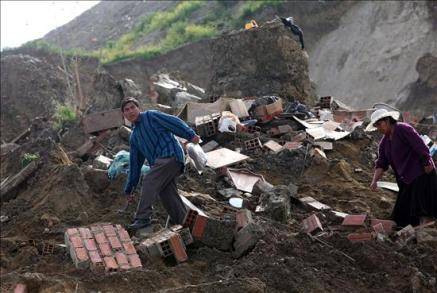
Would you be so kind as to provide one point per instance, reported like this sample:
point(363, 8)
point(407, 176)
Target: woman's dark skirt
point(415, 200)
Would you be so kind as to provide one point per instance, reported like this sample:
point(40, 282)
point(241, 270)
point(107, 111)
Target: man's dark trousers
point(161, 181)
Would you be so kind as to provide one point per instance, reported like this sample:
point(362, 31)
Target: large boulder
point(261, 61)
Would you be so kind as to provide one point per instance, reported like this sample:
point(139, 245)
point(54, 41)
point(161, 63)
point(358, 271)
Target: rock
point(129, 88)
point(426, 235)
point(124, 133)
point(262, 187)
point(4, 219)
point(49, 220)
point(275, 66)
point(246, 239)
point(229, 192)
point(96, 179)
point(102, 162)
point(276, 203)
point(219, 233)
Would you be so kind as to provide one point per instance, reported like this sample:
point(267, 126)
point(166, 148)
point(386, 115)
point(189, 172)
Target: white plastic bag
point(197, 156)
point(227, 125)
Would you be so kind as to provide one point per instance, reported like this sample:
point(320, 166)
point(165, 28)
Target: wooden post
point(13, 182)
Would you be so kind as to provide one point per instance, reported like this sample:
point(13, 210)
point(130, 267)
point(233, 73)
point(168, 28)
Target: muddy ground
point(64, 194)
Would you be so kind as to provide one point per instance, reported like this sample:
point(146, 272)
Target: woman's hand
point(428, 169)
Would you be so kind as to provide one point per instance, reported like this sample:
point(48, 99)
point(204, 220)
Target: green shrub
point(27, 158)
point(249, 8)
point(64, 116)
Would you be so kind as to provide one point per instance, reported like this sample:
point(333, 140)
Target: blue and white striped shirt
point(153, 137)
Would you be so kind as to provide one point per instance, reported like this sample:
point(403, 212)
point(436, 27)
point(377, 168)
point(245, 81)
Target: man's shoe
point(139, 223)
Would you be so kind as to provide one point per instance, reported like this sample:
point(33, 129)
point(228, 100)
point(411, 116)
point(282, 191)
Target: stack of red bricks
point(102, 247)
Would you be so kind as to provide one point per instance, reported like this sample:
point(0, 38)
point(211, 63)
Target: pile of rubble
point(233, 202)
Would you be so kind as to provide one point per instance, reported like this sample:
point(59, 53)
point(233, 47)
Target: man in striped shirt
point(153, 139)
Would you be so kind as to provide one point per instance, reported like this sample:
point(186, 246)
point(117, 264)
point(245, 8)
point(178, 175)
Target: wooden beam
point(13, 182)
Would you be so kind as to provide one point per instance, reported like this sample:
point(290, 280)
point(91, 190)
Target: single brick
point(95, 256)
point(81, 254)
point(85, 233)
point(379, 228)
point(387, 224)
point(354, 220)
point(90, 244)
point(124, 236)
point(109, 230)
point(20, 288)
point(119, 227)
point(125, 267)
point(312, 224)
point(199, 226)
point(178, 248)
point(360, 237)
point(72, 232)
point(110, 263)
point(101, 238)
point(129, 248)
point(121, 258)
point(115, 243)
point(96, 229)
point(190, 218)
point(105, 249)
point(135, 261)
point(76, 241)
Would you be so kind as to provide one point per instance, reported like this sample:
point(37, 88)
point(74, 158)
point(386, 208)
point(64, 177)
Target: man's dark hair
point(129, 100)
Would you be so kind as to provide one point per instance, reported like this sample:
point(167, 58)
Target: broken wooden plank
point(13, 182)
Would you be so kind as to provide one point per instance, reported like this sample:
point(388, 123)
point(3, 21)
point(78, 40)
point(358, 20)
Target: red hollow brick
point(81, 254)
point(101, 238)
point(387, 224)
point(95, 256)
point(76, 241)
point(85, 233)
point(110, 263)
point(360, 237)
point(20, 288)
point(121, 258)
point(72, 232)
point(311, 224)
point(178, 248)
point(105, 249)
point(90, 244)
point(125, 267)
point(109, 230)
point(199, 226)
point(354, 220)
point(96, 229)
point(115, 243)
point(379, 228)
point(129, 248)
point(124, 236)
point(135, 261)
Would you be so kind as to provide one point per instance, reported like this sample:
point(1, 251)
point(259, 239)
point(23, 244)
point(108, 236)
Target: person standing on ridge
point(295, 29)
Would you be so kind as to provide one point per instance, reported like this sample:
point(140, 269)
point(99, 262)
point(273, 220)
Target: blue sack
point(120, 165)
